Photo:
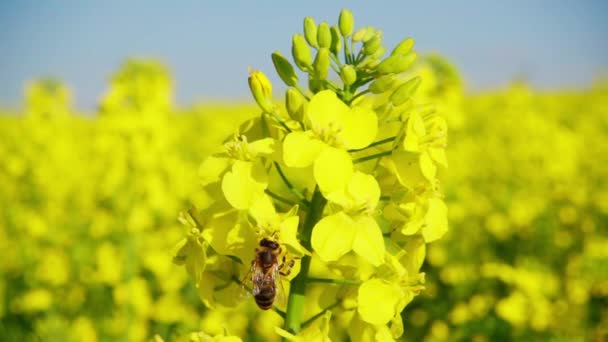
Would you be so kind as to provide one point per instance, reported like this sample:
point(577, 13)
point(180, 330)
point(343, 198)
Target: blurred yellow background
point(89, 206)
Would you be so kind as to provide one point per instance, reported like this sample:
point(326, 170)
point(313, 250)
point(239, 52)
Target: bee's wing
point(247, 283)
point(280, 298)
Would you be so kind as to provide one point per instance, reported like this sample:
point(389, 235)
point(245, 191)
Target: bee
point(266, 272)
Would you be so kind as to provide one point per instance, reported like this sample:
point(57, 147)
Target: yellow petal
point(359, 128)
point(333, 170)
point(300, 149)
point(436, 220)
point(377, 301)
point(326, 109)
point(438, 156)
point(262, 146)
point(427, 166)
point(414, 131)
point(332, 236)
point(240, 187)
point(289, 232)
point(211, 169)
point(405, 166)
point(368, 242)
point(364, 188)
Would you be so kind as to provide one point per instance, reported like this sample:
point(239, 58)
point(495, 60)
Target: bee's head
point(269, 244)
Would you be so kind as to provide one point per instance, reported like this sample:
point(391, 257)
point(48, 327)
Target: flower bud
point(371, 45)
point(382, 84)
point(358, 36)
point(314, 85)
point(261, 88)
point(324, 35)
point(301, 52)
point(379, 53)
point(404, 47)
point(310, 31)
point(346, 22)
point(405, 91)
point(284, 69)
point(348, 74)
point(336, 40)
point(396, 63)
point(370, 32)
point(321, 64)
point(295, 103)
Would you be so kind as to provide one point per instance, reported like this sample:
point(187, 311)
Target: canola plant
point(343, 176)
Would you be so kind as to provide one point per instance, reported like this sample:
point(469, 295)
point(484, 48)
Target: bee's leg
point(286, 268)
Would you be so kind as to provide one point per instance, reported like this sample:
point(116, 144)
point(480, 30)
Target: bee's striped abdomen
point(265, 297)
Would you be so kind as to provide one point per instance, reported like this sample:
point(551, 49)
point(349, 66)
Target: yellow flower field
point(93, 241)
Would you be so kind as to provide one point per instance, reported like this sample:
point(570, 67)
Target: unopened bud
point(321, 64)
point(310, 31)
point(348, 74)
point(379, 53)
point(284, 69)
point(346, 22)
point(295, 103)
point(324, 35)
point(405, 91)
point(301, 52)
point(382, 84)
point(358, 36)
point(314, 85)
point(396, 63)
point(370, 32)
point(336, 40)
point(404, 47)
point(261, 88)
point(371, 46)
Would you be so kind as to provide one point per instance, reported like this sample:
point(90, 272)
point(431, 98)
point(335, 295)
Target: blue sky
point(208, 45)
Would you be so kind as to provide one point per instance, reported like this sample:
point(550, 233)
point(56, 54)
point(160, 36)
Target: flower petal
point(211, 169)
point(436, 220)
point(332, 236)
point(326, 109)
point(289, 232)
point(240, 187)
point(333, 170)
point(300, 149)
point(364, 188)
point(377, 301)
point(368, 242)
point(359, 128)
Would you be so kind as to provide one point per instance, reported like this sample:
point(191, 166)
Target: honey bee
point(266, 272)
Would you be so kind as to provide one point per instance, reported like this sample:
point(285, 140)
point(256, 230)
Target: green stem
point(372, 156)
point(359, 94)
point(278, 119)
point(296, 301)
point(291, 188)
point(347, 51)
point(279, 198)
point(312, 319)
point(302, 92)
point(376, 143)
point(334, 281)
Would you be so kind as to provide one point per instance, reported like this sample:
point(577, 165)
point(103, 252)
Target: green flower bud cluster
point(356, 57)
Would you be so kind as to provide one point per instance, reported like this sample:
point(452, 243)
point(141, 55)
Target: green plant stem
point(334, 281)
point(279, 198)
point(278, 119)
point(296, 301)
point(291, 188)
point(313, 318)
point(376, 143)
point(373, 156)
point(359, 95)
